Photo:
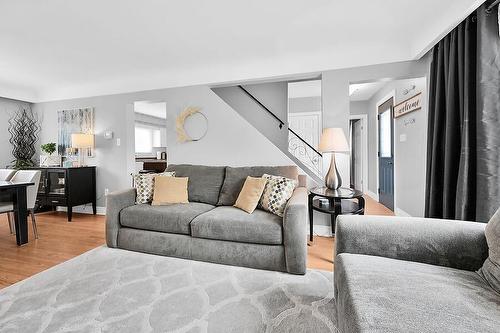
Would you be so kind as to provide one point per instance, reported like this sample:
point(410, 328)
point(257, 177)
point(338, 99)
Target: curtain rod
point(490, 7)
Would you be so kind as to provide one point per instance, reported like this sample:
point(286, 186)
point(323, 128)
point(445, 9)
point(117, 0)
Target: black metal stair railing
point(297, 146)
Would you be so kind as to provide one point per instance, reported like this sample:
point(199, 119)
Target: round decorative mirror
point(191, 125)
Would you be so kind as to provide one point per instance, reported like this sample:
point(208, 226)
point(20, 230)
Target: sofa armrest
point(295, 232)
point(115, 202)
point(456, 244)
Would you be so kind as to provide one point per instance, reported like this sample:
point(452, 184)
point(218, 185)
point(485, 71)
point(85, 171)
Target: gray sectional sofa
point(396, 274)
point(208, 228)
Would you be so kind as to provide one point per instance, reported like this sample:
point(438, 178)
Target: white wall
point(410, 155)
point(230, 139)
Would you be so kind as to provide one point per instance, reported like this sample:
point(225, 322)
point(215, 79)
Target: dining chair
point(21, 176)
point(6, 174)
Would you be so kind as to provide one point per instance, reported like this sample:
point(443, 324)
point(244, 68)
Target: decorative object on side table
point(333, 141)
point(24, 130)
point(49, 160)
point(82, 142)
point(334, 202)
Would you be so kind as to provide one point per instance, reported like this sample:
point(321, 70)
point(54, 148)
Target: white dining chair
point(6, 174)
point(22, 176)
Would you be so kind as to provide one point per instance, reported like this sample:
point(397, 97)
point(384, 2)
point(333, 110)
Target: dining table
point(16, 191)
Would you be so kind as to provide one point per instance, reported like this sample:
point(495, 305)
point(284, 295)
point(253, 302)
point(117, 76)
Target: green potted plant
point(48, 159)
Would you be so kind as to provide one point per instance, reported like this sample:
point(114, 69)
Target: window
point(146, 137)
point(385, 134)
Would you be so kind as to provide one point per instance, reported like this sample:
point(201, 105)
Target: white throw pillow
point(276, 194)
point(144, 184)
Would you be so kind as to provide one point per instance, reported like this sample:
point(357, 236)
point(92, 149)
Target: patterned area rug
point(111, 290)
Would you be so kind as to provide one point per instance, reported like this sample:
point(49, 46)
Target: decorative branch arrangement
point(24, 130)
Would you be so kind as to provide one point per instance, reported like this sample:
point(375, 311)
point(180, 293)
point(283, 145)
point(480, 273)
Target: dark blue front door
point(386, 154)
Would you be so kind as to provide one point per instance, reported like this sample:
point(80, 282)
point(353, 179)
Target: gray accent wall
point(230, 139)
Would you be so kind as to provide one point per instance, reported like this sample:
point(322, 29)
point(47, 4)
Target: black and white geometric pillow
point(276, 194)
point(144, 184)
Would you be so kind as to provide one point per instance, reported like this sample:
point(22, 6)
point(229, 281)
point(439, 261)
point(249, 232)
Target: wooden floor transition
point(60, 241)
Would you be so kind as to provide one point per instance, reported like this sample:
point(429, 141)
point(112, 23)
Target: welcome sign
point(411, 104)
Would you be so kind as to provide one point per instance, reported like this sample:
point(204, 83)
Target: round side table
point(340, 202)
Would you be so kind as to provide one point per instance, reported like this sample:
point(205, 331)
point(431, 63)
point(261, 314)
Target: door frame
point(364, 147)
point(381, 101)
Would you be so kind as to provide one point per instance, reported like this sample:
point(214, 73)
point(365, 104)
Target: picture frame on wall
point(411, 104)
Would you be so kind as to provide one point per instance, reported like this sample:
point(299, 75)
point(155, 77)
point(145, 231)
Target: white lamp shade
point(80, 140)
point(333, 140)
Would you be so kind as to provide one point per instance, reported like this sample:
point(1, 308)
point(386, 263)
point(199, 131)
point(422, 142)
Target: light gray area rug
point(111, 290)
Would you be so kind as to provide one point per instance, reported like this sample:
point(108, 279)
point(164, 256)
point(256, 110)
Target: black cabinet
point(67, 187)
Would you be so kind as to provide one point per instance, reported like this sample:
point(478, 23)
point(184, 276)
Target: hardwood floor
point(60, 241)
point(320, 251)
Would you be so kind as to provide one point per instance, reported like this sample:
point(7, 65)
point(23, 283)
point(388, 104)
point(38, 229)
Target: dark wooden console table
point(67, 187)
point(339, 203)
point(17, 192)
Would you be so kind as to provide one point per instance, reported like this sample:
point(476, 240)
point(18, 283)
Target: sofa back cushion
point(204, 182)
point(236, 176)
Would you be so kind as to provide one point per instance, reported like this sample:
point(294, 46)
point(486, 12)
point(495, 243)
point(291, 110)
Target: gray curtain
point(463, 162)
point(488, 115)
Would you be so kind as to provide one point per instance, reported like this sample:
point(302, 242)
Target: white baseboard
point(86, 209)
point(372, 195)
point(400, 212)
point(322, 230)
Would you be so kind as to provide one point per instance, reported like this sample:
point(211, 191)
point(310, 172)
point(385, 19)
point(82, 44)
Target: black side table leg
point(310, 206)
point(361, 204)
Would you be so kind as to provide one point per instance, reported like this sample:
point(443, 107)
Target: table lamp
point(333, 141)
point(82, 142)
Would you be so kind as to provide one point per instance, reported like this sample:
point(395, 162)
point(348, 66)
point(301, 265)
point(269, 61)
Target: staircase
point(264, 106)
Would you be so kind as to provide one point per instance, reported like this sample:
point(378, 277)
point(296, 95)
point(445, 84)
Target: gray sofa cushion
point(235, 178)
point(171, 218)
point(491, 267)
point(204, 181)
point(233, 224)
point(388, 295)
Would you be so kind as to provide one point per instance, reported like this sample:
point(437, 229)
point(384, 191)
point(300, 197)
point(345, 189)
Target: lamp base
point(333, 180)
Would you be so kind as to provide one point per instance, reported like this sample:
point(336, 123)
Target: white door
point(358, 157)
point(308, 126)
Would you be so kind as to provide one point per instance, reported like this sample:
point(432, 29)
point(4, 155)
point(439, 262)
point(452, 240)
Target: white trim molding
point(84, 209)
point(372, 195)
point(321, 230)
point(400, 212)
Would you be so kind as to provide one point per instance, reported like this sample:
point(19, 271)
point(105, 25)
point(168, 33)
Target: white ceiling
point(62, 49)
point(304, 89)
point(154, 109)
point(364, 91)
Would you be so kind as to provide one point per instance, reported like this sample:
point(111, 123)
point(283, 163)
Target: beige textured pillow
point(170, 190)
point(250, 194)
point(491, 267)
point(144, 184)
